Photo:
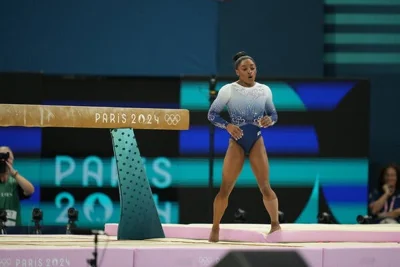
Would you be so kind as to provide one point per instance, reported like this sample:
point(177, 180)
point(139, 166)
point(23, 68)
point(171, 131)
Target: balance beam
point(139, 216)
point(93, 117)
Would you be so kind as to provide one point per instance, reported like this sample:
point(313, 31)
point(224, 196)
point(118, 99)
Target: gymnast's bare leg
point(260, 166)
point(233, 164)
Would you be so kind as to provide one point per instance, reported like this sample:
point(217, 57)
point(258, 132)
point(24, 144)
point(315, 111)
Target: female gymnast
point(250, 108)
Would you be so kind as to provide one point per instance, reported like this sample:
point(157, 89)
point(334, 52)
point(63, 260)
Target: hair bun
point(239, 55)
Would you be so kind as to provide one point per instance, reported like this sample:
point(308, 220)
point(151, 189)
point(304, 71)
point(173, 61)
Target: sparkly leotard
point(246, 105)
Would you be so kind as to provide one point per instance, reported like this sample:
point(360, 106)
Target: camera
point(37, 215)
point(72, 218)
point(240, 216)
point(325, 218)
point(72, 214)
point(365, 219)
point(3, 158)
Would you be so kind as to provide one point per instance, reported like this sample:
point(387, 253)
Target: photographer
point(385, 200)
point(13, 187)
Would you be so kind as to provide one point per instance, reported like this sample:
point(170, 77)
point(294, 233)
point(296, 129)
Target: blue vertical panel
point(285, 37)
point(154, 37)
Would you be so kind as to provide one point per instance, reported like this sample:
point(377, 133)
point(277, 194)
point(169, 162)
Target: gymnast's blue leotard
point(246, 105)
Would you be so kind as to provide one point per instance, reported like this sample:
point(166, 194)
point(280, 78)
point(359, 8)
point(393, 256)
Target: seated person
point(13, 187)
point(385, 200)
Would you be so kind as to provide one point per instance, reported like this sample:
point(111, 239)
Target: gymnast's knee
point(267, 192)
point(224, 192)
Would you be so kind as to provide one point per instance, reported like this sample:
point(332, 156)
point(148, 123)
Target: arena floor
point(173, 251)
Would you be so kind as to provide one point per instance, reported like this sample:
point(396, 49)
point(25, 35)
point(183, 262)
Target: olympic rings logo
point(172, 119)
point(5, 262)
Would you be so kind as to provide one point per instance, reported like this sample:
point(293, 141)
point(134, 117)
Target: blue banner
point(22, 140)
point(278, 140)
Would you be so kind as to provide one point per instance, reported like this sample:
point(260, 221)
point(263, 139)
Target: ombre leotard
point(246, 105)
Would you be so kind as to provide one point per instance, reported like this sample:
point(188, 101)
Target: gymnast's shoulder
point(226, 89)
point(266, 88)
point(228, 86)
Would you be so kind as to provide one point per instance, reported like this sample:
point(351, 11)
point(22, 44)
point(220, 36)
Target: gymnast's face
point(247, 72)
point(391, 177)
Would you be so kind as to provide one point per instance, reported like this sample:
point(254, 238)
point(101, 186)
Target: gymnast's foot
point(274, 227)
point(214, 235)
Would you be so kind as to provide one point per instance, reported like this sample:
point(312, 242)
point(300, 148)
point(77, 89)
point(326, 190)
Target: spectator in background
point(385, 200)
point(13, 187)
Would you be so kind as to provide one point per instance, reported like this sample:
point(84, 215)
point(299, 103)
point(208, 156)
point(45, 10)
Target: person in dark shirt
point(385, 200)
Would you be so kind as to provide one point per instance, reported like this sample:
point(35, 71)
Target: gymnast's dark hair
point(239, 57)
point(382, 176)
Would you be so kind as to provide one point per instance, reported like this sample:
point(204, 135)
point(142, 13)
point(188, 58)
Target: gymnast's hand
point(234, 131)
point(265, 122)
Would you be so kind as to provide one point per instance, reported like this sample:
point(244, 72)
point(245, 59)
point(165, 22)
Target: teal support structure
point(139, 217)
